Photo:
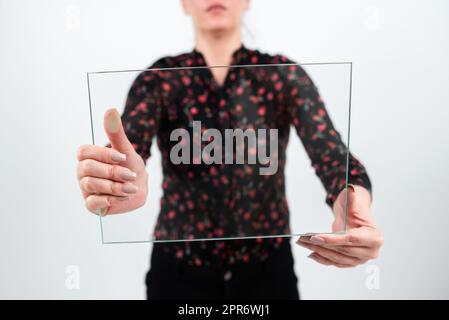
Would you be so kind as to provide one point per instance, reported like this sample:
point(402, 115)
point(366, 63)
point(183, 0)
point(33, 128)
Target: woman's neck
point(217, 48)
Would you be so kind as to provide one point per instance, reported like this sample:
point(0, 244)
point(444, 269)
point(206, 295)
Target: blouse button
point(227, 276)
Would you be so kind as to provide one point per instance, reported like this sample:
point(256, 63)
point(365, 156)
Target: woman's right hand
point(112, 180)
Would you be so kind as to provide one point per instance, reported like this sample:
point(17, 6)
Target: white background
point(399, 130)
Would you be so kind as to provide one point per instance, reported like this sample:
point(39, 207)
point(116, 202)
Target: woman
point(212, 200)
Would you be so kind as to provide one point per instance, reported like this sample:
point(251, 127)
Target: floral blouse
point(232, 200)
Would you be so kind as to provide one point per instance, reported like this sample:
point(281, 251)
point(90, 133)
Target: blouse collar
point(237, 56)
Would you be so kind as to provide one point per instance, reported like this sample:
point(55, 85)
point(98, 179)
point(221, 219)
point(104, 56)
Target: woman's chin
point(218, 24)
point(218, 29)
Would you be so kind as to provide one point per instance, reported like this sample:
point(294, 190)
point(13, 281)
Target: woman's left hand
point(361, 241)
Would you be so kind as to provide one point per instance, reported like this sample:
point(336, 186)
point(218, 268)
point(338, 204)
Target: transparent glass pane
point(263, 152)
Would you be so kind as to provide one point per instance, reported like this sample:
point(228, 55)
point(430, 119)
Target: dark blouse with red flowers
point(232, 200)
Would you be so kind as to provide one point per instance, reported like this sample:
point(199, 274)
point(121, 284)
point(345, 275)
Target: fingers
point(320, 259)
point(101, 154)
point(115, 132)
point(96, 203)
point(366, 236)
point(94, 168)
point(93, 185)
point(333, 256)
point(105, 174)
point(100, 204)
point(363, 253)
point(353, 248)
point(329, 239)
point(363, 237)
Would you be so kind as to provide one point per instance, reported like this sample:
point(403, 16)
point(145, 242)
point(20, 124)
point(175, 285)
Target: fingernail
point(311, 256)
point(129, 188)
point(351, 186)
point(101, 212)
point(317, 240)
point(122, 198)
point(303, 239)
point(113, 121)
point(118, 156)
point(128, 175)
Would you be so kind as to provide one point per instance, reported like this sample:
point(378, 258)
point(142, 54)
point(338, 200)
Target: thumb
point(351, 198)
point(358, 214)
point(115, 132)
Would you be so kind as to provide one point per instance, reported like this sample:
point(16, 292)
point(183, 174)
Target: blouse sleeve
point(143, 111)
point(321, 140)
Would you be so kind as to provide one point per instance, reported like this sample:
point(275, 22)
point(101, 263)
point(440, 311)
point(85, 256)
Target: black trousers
point(274, 278)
